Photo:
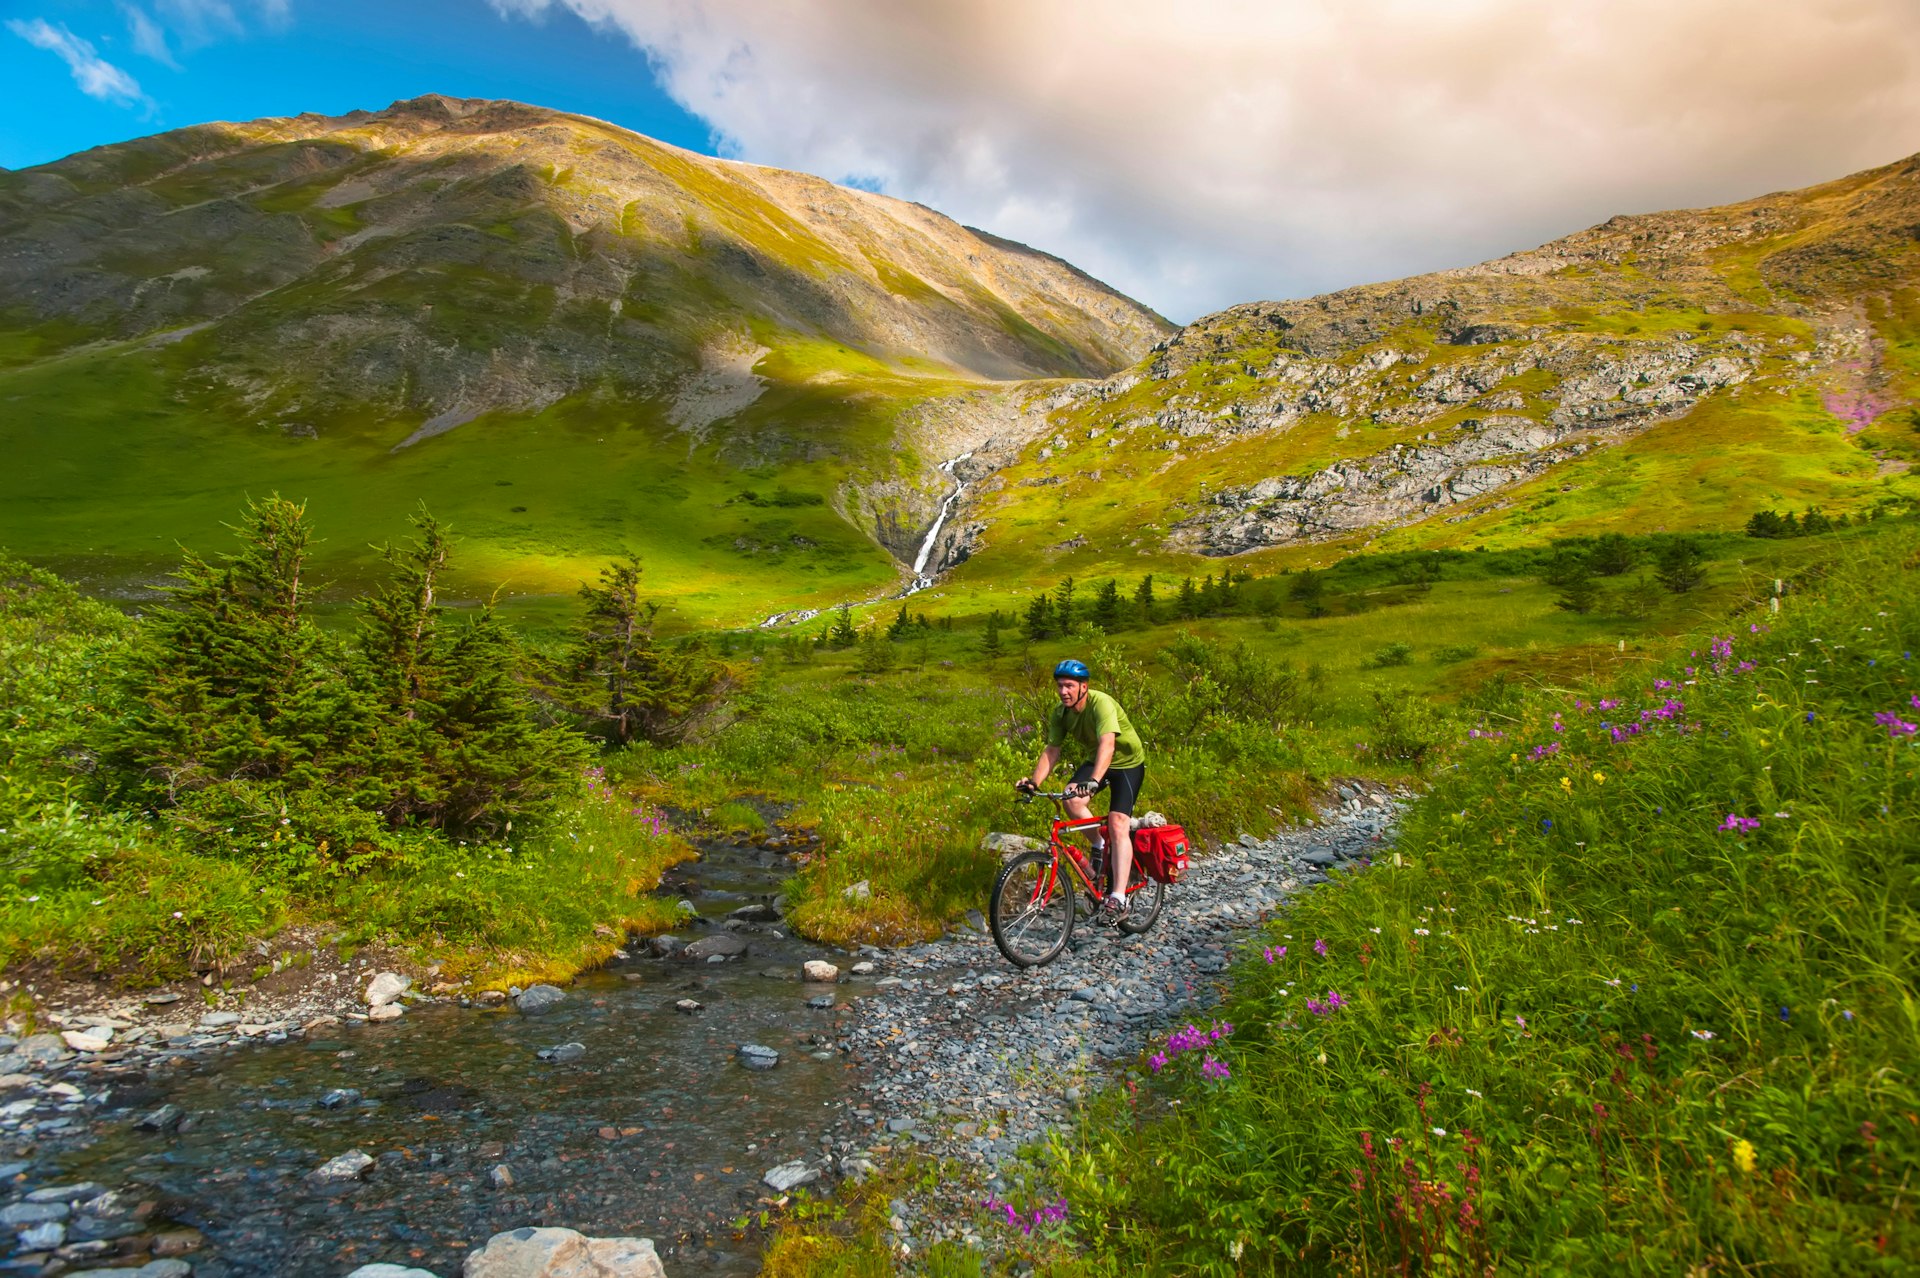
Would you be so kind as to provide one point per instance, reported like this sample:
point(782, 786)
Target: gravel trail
point(969, 1058)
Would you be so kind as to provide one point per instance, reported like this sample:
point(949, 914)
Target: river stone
point(539, 999)
point(387, 987)
point(162, 999)
point(85, 1191)
point(42, 1237)
point(863, 968)
point(382, 1270)
point(170, 1268)
point(386, 1012)
point(87, 1041)
point(818, 970)
point(723, 945)
point(688, 1006)
point(562, 1253)
point(861, 891)
point(754, 1056)
point(338, 1097)
point(563, 1053)
point(758, 912)
point(348, 1166)
point(821, 1001)
point(219, 1020)
point(501, 1177)
point(666, 946)
point(44, 1049)
point(164, 1119)
point(20, 1214)
point(790, 1176)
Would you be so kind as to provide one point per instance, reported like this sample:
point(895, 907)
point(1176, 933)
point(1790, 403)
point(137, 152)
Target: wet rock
point(754, 1056)
point(723, 945)
point(351, 1165)
point(759, 912)
point(562, 1253)
point(162, 999)
point(490, 998)
point(688, 1006)
point(178, 1242)
point(819, 970)
point(170, 1268)
point(87, 1041)
point(219, 1020)
point(19, 1214)
point(44, 1049)
point(501, 1177)
point(790, 1176)
point(42, 1237)
point(386, 987)
point(385, 1270)
point(863, 968)
point(537, 1000)
point(85, 1191)
point(386, 1012)
point(666, 946)
point(162, 1119)
point(339, 1098)
point(563, 1053)
point(976, 920)
point(821, 1001)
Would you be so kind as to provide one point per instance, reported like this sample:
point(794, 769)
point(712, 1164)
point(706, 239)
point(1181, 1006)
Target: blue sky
point(1192, 154)
point(241, 60)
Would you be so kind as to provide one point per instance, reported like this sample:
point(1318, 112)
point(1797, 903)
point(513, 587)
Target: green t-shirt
point(1099, 715)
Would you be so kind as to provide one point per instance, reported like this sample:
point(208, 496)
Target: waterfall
point(920, 580)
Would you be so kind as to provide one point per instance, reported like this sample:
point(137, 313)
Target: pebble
point(754, 1056)
point(164, 1119)
point(501, 1177)
point(80, 1193)
point(563, 1053)
point(790, 1176)
point(348, 1166)
point(339, 1098)
point(383, 1270)
point(688, 1006)
point(821, 1001)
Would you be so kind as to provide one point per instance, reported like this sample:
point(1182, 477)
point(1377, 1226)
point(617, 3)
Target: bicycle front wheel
point(1031, 913)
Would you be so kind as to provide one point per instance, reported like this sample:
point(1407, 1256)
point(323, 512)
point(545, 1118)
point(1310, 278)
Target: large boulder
point(1009, 845)
point(537, 1000)
point(562, 1253)
point(387, 987)
point(721, 945)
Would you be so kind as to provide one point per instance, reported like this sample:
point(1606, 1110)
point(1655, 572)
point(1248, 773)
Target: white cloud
point(1215, 151)
point(96, 77)
point(148, 39)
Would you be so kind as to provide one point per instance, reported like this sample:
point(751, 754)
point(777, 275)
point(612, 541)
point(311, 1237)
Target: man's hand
point(1025, 785)
point(1084, 789)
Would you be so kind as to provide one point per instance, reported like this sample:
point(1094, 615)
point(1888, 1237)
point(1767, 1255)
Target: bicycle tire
point(1031, 911)
point(1143, 906)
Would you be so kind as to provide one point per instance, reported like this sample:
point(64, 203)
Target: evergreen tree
point(1579, 592)
point(1106, 605)
point(1680, 565)
point(876, 653)
point(1143, 599)
point(1309, 588)
point(1063, 607)
point(1612, 555)
point(1039, 624)
point(1187, 606)
point(233, 683)
point(898, 628)
point(1813, 521)
point(1766, 523)
point(840, 633)
point(616, 675)
point(990, 644)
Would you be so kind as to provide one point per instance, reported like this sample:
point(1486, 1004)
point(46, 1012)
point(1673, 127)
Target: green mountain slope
point(1668, 371)
point(566, 337)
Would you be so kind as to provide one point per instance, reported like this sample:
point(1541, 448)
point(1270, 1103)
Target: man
point(1115, 759)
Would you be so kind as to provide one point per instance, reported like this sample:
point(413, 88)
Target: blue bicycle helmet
point(1071, 669)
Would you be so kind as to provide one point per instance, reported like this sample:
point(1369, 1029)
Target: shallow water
point(658, 1131)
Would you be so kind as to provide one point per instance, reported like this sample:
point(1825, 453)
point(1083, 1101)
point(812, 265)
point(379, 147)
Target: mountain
point(532, 300)
point(1672, 370)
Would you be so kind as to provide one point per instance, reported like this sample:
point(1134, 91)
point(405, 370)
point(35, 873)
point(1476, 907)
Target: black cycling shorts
point(1123, 785)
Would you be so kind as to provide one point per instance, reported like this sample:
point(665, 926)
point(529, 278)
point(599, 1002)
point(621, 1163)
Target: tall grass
point(1635, 993)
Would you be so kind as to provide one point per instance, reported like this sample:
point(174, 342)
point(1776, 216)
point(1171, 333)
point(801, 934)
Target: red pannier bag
point(1161, 852)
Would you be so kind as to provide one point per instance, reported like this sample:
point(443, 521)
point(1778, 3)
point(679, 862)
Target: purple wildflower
point(1320, 948)
point(1895, 725)
point(1739, 824)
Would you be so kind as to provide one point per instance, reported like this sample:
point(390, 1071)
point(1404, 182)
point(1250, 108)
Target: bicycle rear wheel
point(1031, 913)
point(1143, 906)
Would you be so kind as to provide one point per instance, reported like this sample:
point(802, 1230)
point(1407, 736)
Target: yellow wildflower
point(1600, 776)
point(1743, 1154)
point(1566, 783)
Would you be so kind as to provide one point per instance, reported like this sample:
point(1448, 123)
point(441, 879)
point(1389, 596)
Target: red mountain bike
point(1033, 902)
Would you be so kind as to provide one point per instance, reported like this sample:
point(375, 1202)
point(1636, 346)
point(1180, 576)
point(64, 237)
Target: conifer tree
point(1143, 598)
point(1039, 624)
point(990, 644)
point(840, 633)
point(1188, 605)
point(1063, 606)
point(1106, 606)
point(898, 629)
point(233, 683)
point(1680, 565)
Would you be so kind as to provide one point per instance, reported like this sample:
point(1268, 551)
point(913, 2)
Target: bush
point(1389, 655)
point(1453, 653)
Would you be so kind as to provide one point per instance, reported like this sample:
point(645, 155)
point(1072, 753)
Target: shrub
point(1389, 655)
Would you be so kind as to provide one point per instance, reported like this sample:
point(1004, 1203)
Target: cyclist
point(1117, 762)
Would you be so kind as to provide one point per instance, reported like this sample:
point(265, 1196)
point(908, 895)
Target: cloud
point(96, 77)
point(148, 39)
point(1200, 154)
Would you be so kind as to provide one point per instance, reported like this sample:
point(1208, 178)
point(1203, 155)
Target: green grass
point(1657, 1043)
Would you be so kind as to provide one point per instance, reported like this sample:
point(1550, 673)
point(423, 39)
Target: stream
point(657, 1131)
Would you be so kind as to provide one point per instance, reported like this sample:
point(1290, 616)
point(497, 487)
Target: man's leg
point(1120, 839)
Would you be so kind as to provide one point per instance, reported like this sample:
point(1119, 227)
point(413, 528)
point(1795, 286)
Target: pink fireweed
point(1320, 948)
point(1739, 824)
point(1895, 725)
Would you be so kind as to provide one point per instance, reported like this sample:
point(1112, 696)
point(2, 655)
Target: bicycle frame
point(1071, 854)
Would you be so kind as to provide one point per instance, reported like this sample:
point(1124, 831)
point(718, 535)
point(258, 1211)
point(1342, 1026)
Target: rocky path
point(970, 1058)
